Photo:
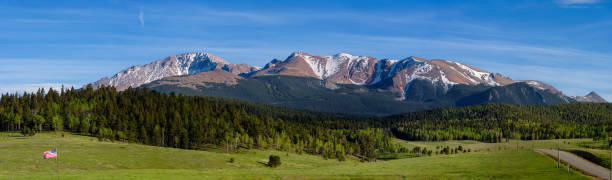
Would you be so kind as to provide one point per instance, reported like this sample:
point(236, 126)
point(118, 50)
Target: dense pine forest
point(499, 122)
point(169, 120)
point(148, 117)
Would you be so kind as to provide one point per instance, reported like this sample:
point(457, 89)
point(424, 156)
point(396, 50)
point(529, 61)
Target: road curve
point(580, 163)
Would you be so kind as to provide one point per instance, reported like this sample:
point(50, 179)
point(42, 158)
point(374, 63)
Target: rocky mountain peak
point(341, 68)
point(175, 65)
point(591, 97)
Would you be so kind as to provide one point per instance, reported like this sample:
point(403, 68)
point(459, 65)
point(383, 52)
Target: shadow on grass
point(19, 137)
point(263, 163)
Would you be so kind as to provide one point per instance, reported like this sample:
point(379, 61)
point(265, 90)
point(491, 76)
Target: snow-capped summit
point(175, 65)
point(342, 68)
point(394, 75)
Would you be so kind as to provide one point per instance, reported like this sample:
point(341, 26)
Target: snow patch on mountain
point(176, 65)
point(445, 80)
point(326, 66)
point(486, 76)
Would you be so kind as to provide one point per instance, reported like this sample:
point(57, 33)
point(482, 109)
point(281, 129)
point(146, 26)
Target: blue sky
point(565, 43)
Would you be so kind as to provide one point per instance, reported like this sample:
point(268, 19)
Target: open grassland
point(595, 151)
point(510, 145)
point(82, 157)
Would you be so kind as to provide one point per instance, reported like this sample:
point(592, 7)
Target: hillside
point(206, 126)
point(313, 94)
point(501, 122)
point(82, 157)
point(148, 117)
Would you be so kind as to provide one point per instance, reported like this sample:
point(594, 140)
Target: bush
point(27, 132)
point(341, 158)
point(274, 161)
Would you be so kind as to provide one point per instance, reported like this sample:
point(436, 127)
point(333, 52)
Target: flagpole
point(56, 153)
point(57, 163)
point(57, 158)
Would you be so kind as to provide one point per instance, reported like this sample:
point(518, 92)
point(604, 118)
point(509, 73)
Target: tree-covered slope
point(189, 122)
point(314, 94)
point(302, 93)
point(495, 122)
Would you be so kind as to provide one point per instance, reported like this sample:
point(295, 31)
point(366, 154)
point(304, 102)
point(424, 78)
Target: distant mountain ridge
point(388, 74)
point(411, 79)
point(342, 68)
point(175, 65)
point(591, 97)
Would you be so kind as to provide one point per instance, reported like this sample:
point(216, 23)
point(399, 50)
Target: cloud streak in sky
point(552, 54)
point(578, 2)
point(20, 88)
point(74, 45)
point(141, 18)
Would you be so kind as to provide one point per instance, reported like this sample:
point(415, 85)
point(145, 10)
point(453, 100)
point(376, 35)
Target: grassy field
point(511, 145)
point(82, 157)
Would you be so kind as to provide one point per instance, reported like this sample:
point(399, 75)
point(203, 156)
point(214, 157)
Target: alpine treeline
point(499, 122)
point(169, 120)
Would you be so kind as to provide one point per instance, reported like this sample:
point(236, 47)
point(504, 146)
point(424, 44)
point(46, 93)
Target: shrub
point(27, 132)
point(341, 158)
point(274, 161)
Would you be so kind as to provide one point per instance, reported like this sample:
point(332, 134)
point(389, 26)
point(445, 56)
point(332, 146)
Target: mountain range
point(342, 83)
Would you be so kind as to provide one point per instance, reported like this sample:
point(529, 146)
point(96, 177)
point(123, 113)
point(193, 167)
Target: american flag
point(50, 153)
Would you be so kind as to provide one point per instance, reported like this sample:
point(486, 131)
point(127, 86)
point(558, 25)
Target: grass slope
point(82, 157)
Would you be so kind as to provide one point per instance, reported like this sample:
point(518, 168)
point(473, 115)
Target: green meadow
point(82, 157)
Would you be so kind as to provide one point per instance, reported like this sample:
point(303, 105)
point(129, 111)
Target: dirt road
point(580, 163)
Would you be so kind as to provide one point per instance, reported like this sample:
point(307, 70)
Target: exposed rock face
point(397, 76)
point(543, 86)
point(546, 87)
point(201, 79)
point(175, 65)
point(591, 97)
point(343, 68)
point(239, 69)
point(393, 75)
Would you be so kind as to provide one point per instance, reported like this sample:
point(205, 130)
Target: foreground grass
point(83, 157)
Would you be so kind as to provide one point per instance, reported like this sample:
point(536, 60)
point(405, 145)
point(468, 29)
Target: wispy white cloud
point(20, 88)
point(596, 25)
point(47, 21)
point(35, 71)
point(141, 18)
point(258, 17)
point(572, 81)
point(528, 51)
point(573, 71)
point(578, 2)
